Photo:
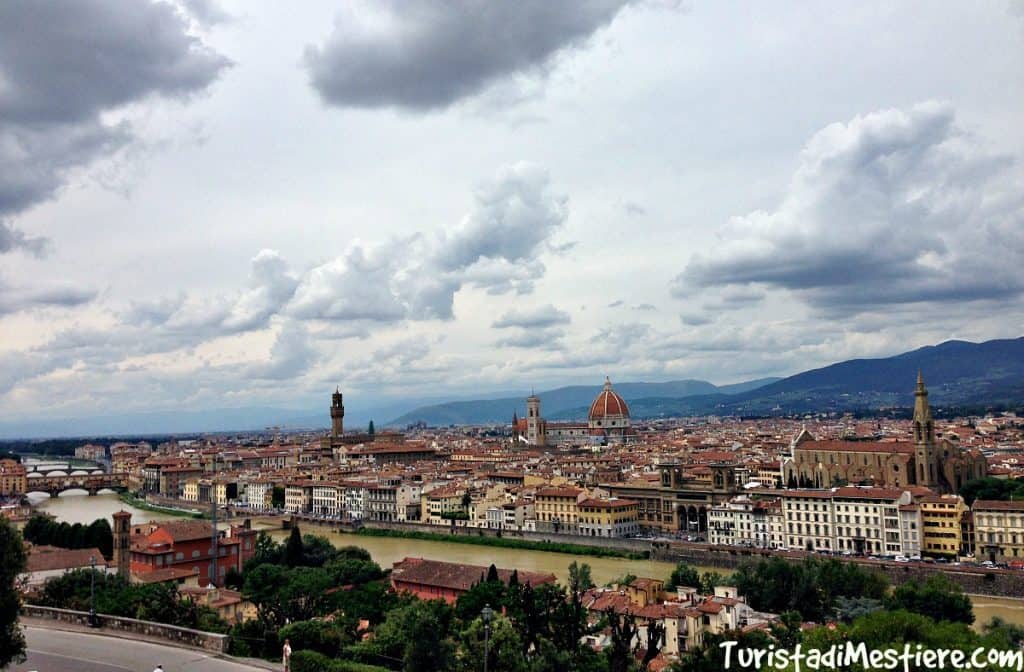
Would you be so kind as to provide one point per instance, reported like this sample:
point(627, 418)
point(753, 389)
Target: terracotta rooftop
point(858, 446)
point(456, 576)
point(49, 558)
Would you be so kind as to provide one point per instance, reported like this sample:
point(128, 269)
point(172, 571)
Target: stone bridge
point(91, 483)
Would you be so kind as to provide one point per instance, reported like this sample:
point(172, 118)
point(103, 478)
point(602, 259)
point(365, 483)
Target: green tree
point(293, 548)
point(579, 576)
point(851, 608)
point(371, 430)
point(710, 656)
point(12, 563)
point(504, 650)
point(315, 634)
point(486, 593)
point(683, 575)
point(418, 634)
point(937, 597)
point(277, 497)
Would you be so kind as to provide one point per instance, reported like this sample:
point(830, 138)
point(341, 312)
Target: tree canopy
point(12, 563)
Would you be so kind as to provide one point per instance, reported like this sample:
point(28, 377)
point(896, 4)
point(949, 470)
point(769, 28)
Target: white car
point(901, 558)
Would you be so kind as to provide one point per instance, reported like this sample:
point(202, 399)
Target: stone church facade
point(939, 464)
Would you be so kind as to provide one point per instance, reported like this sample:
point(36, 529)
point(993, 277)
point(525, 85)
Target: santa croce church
point(939, 464)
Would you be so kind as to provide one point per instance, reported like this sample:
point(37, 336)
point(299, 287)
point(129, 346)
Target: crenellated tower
point(337, 414)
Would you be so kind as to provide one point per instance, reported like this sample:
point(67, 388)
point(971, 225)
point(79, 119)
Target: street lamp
point(487, 615)
point(92, 592)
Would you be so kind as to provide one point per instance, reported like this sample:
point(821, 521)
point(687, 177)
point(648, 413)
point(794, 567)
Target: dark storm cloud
point(535, 318)
point(64, 64)
point(13, 239)
point(15, 299)
point(895, 207)
point(428, 55)
point(206, 12)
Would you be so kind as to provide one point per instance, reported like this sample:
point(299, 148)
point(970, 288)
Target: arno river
point(80, 508)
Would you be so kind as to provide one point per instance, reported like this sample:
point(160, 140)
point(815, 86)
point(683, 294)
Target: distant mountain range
point(570, 402)
point(957, 373)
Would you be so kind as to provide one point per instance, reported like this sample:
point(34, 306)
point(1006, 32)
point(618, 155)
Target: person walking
point(286, 655)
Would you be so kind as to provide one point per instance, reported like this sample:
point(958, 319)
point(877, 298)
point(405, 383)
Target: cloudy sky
point(218, 204)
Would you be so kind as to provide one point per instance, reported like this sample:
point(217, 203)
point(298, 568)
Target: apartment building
point(808, 519)
point(743, 521)
point(382, 502)
point(259, 494)
point(298, 496)
point(556, 509)
point(353, 500)
point(941, 519)
point(444, 504)
point(13, 478)
point(999, 530)
point(608, 517)
point(324, 499)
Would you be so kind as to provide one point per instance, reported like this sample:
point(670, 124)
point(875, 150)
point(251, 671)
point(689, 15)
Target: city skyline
point(258, 207)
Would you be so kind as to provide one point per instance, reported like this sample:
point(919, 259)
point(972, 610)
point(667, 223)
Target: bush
point(311, 661)
point(315, 635)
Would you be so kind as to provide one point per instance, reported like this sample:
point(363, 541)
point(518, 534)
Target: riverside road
point(69, 651)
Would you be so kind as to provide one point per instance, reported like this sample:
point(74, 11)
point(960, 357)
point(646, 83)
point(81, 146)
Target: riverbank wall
point(975, 580)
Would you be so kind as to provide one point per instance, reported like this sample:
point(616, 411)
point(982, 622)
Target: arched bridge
point(91, 483)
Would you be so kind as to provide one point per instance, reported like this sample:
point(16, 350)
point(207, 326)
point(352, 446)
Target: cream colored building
point(607, 517)
point(556, 510)
point(999, 530)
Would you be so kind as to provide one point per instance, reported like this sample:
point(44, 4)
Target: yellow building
point(13, 478)
point(999, 530)
point(940, 524)
point(556, 509)
point(445, 504)
point(608, 517)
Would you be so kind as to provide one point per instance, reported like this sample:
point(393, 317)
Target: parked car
point(901, 558)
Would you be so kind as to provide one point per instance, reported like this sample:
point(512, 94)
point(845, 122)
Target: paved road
point(60, 651)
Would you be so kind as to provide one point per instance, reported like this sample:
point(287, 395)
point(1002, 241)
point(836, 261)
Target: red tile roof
point(455, 576)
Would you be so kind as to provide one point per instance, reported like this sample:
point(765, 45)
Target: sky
point(211, 204)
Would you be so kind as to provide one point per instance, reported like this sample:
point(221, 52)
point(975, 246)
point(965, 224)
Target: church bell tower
point(122, 543)
point(925, 450)
point(337, 414)
point(534, 424)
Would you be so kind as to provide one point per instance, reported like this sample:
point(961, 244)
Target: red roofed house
point(188, 544)
point(436, 580)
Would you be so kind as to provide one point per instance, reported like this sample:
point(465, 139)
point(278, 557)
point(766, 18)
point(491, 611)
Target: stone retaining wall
point(198, 639)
